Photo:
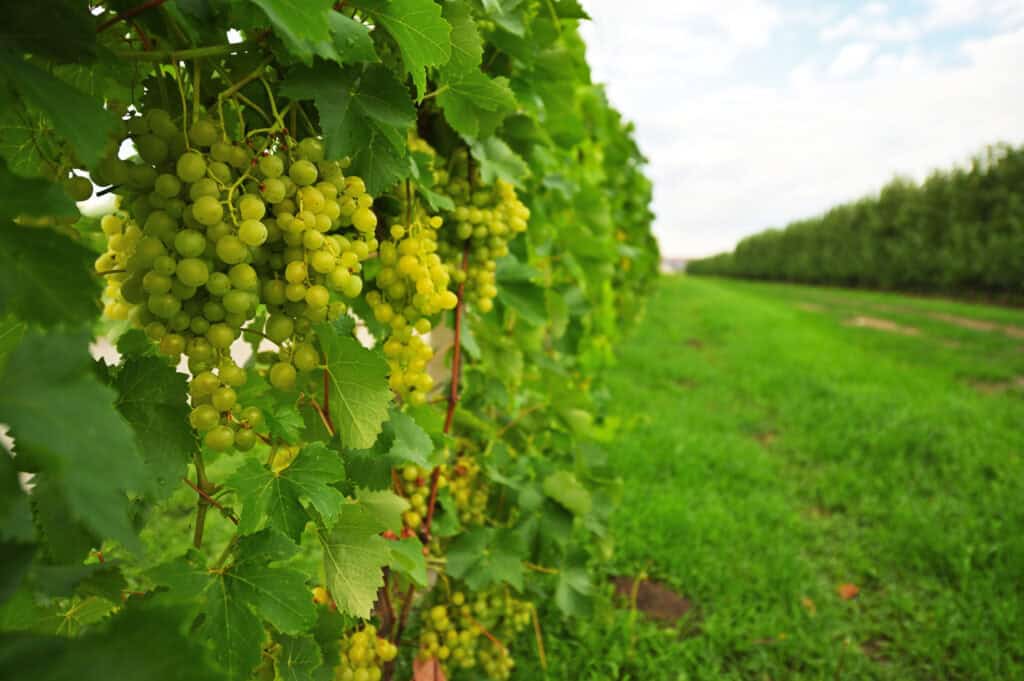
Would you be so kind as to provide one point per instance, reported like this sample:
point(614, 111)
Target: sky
point(754, 113)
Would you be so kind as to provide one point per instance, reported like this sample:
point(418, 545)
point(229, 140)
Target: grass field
point(786, 440)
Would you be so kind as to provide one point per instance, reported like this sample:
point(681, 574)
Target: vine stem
point(326, 414)
point(129, 13)
point(491, 637)
point(211, 501)
point(184, 55)
point(453, 394)
point(202, 506)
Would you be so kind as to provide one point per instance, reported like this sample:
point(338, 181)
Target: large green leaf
point(76, 116)
point(138, 645)
point(473, 103)
point(354, 554)
point(31, 196)
point(498, 161)
point(152, 399)
point(365, 114)
point(467, 48)
point(486, 556)
point(298, 658)
point(65, 426)
point(277, 496)
point(422, 35)
point(300, 22)
point(357, 388)
point(44, 277)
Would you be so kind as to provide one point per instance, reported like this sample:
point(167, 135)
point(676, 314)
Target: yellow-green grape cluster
point(312, 260)
point(485, 219)
point(211, 229)
point(412, 286)
point(416, 486)
point(469, 489)
point(216, 412)
point(496, 662)
point(440, 639)
point(362, 655)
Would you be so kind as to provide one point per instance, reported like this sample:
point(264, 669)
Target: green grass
point(776, 453)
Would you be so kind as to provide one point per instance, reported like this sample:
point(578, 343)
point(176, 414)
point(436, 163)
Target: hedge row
point(962, 230)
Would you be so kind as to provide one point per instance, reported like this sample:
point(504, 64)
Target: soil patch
point(996, 387)
point(656, 600)
point(695, 343)
point(766, 438)
point(811, 307)
point(877, 648)
point(979, 325)
point(882, 325)
point(686, 383)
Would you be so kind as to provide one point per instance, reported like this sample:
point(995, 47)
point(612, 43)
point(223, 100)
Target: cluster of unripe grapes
point(412, 286)
point(216, 412)
point(452, 631)
point(441, 638)
point(416, 487)
point(469, 490)
point(485, 219)
point(363, 654)
point(210, 229)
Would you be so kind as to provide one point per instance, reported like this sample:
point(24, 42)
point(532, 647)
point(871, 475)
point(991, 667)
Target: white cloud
point(730, 157)
point(851, 59)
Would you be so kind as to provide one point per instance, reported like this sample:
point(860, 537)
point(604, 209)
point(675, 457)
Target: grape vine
point(349, 288)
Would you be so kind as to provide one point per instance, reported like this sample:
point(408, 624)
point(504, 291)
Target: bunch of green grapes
point(216, 412)
point(412, 286)
point(486, 218)
point(211, 229)
point(496, 662)
point(363, 653)
point(441, 639)
point(469, 489)
point(416, 488)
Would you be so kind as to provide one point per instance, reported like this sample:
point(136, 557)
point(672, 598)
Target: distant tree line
point(962, 230)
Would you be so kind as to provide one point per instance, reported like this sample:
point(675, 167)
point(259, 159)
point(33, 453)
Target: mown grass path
point(774, 452)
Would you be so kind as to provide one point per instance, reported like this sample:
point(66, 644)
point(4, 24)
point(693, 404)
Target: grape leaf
point(473, 103)
point(298, 658)
point(65, 425)
point(349, 43)
point(354, 554)
point(365, 114)
point(31, 196)
point(566, 489)
point(277, 496)
point(411, 442)
point(423, 37)
point(280, 412)
point(76, 116)
point(279, 595)
point(44, 277)
point(236, 634)
point(357, 386)
point(574, 594)
point(59, 29)
point(467, 48)
point(301, 22)
point(384, 507)
point(64, 541)
point(152, 399)
point(498, 161)
point(484, 557)
point(139, 644)
point(407, 557)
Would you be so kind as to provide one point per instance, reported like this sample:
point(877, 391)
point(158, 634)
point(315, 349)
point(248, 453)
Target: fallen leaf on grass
point(848, 591)
point(427, 670)
point(809, 605)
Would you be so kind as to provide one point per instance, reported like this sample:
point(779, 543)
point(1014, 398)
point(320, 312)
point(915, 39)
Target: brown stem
point(210, 501)
point(489, 635)
point(129, 13)
point(406, 607)
point(327, 403)
point(453, 388)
